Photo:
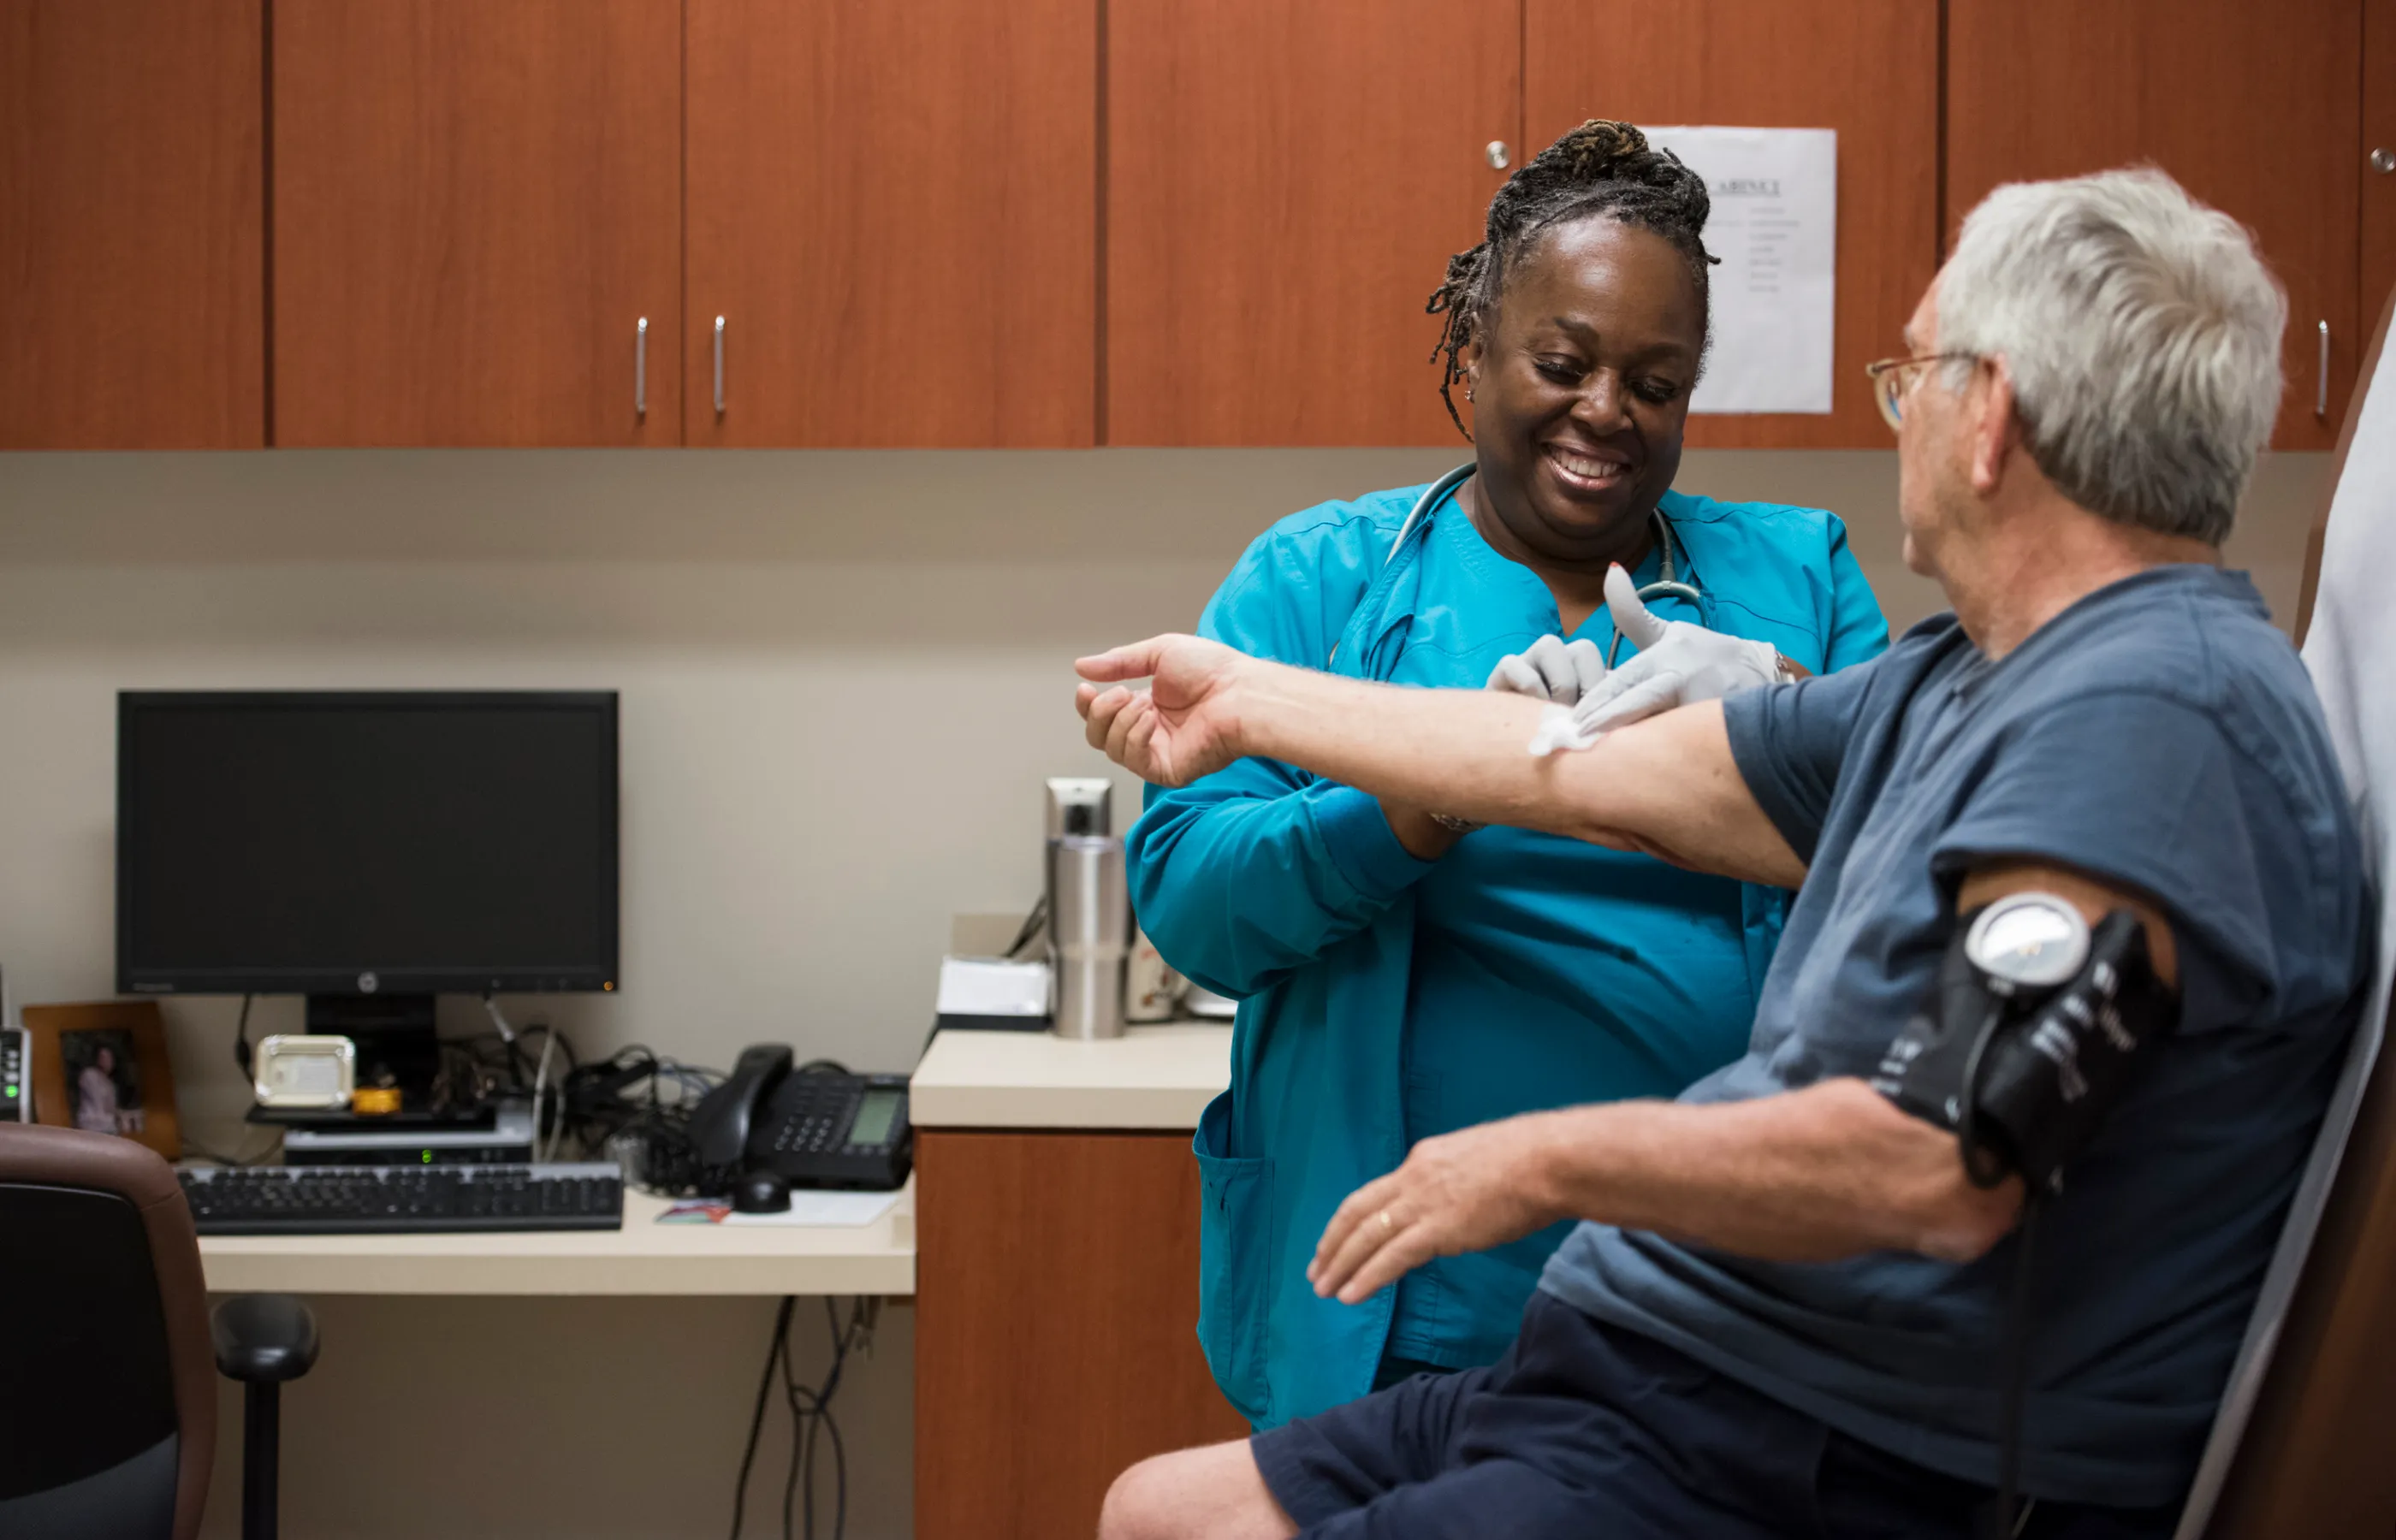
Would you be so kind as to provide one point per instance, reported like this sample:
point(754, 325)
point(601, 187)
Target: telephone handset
point(818, 1125)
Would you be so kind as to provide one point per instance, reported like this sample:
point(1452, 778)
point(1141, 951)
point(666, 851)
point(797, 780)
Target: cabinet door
point(1285, 181)
point(2255, 109)
point(2378, 158)
point(476, 202)
point(1057, 1306)
point(1867, 68)
point(894, 207)
point(132, 224)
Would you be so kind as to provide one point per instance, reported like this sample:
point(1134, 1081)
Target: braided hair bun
point(1602, 167)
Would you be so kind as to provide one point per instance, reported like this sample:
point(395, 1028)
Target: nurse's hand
point(1552, 669)
point(1182, 727)
point(1460, 1192)
point(1677, 663)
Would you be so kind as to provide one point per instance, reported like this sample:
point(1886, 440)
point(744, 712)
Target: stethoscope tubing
point(1667, 585)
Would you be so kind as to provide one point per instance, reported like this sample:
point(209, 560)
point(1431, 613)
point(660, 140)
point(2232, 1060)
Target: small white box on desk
point(992, 994)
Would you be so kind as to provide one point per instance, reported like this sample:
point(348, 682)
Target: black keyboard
point(404, 1200)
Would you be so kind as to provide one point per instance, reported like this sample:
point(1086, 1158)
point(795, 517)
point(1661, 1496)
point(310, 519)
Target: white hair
point(2141, 332)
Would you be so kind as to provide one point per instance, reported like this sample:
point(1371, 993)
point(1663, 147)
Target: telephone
point(818, 1125)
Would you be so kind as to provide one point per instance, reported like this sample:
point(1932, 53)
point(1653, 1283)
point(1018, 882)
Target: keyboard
point(404, 1200)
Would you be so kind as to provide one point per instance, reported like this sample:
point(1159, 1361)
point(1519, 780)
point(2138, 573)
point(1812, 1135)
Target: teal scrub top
point(1385, 999)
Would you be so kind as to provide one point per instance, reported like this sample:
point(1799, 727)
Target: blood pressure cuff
point(2024, 1080)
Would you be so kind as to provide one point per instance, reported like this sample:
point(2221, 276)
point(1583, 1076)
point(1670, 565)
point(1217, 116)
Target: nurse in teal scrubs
point(1399, 977)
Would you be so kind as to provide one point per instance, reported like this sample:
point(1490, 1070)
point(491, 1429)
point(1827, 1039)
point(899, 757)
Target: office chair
point(108, 1409)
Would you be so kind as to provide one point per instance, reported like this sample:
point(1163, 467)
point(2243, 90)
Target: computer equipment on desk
point(16, 1075)
point(503, 1135)
point(404, 1200)
point(369, 850)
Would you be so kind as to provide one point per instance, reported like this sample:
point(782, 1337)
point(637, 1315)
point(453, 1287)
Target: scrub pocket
point(1234, 1262)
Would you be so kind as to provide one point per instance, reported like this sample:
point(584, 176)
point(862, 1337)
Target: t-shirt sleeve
point(1788, 741)
point(2144, 793)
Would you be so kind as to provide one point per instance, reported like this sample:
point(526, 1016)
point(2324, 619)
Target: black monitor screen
point(299, 842)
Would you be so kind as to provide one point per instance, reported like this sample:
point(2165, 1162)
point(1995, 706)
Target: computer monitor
point(369, 850)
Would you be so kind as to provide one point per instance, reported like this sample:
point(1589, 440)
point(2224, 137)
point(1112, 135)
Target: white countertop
point(644, 1257)
point(1151, 1077)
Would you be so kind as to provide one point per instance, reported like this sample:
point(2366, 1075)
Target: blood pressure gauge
point(2028, 941)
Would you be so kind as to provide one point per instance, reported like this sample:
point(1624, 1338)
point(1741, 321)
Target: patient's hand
point(1185, 725)
point(1465, 1191)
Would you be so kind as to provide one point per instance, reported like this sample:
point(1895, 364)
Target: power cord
point(634, 1105)
point(1033, 923)
point(241, 1038)
point(810, 1416)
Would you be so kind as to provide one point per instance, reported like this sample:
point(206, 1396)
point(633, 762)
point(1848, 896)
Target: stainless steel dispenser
point(1089, 909)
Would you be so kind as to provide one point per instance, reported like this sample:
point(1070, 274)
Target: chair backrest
point(107, 1380)
point(2301, 1444)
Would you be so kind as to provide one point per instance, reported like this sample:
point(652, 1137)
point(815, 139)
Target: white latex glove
point(1552, 669)
point(1559, 672)
point(1677, 663)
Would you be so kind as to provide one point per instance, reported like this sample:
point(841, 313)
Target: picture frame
point(103, 1066)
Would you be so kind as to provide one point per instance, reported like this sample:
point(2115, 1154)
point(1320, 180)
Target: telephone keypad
point(818, 1116)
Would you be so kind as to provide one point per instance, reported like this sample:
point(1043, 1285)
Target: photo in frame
point(103, 1068)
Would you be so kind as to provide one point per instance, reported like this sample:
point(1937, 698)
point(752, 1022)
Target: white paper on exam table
point(1775, 227)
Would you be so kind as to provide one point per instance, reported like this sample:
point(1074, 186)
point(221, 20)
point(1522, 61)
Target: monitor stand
point(395, 1038)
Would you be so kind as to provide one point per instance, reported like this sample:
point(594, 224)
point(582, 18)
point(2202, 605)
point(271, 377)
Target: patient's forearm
point(1667, 785)
point(1810, 1175)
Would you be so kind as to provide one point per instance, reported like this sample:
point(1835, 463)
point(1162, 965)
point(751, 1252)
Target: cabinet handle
point(641, 367)
point(1498, 154)
point(2383, 160)
point(720, 364)
point(2321, 386)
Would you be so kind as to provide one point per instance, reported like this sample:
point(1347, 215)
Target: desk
point(1057, 1295)
point(644, 1257)
point(1151, 1078)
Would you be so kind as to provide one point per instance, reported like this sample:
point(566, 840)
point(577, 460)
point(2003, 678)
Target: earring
point(1468, 393)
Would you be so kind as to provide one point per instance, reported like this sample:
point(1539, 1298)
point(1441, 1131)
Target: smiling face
point(1580, 388)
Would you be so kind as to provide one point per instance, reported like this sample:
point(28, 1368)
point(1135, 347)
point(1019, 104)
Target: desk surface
point(644, 1257)
point(1151, 1077)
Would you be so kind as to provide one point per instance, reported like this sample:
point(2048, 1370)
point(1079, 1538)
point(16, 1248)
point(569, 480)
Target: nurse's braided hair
point(1601, 167)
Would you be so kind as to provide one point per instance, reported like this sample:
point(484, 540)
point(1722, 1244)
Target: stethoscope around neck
point(1666, 585)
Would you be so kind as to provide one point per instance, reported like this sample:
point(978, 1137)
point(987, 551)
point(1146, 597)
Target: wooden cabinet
point(475, 205)
point(132, 224)
point(2379, 199)
point(893, 203)
point(1867, 68)
point(1057, 1306)
point(2255, 109)
point(1285, 181)
point(1047, 222)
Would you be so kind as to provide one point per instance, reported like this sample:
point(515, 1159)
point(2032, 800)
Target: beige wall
point(844, 677)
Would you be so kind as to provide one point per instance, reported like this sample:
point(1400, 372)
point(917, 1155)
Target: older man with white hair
point(2078, 894)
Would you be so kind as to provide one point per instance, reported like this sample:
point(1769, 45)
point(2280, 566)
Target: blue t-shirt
point(2157, 735)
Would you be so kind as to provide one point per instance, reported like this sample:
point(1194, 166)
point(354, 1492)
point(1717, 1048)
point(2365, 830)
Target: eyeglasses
point(1889, 378)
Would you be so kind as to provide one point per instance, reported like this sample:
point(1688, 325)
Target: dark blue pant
point(1593, 1433)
